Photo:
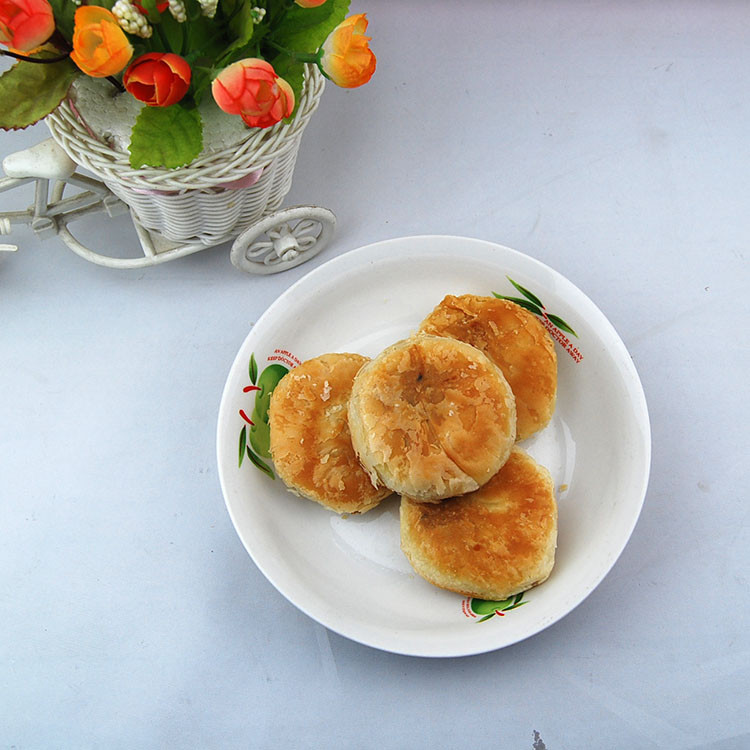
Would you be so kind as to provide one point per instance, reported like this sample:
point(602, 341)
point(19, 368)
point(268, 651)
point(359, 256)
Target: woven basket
point(201, 201)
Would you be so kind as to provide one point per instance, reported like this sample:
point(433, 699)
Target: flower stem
point(298, 56)
point(183, 44)
point(116, 84)
point(41, 60)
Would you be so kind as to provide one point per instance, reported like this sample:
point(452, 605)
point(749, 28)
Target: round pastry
point(310, 443)
point(431, 418)
point(515, 340)
point(489, 544)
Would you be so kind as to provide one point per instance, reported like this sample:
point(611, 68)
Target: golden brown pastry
point(515, 341)
point(431, 417)
point(492, 543)
point(310, 443)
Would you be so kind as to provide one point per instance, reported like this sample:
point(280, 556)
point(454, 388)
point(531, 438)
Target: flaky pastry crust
point(431, 417)
point(310, 443)
point(515, 341)
point(489, 544)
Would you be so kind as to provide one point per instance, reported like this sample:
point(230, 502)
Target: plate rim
point(348, 260)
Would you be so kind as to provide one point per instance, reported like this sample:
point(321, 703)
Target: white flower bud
point(177, 9)
point(208, 7)
point(131, 20)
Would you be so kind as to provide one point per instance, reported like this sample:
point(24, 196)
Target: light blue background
point(609, 140)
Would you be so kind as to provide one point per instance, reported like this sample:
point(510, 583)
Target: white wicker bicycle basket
point(204, 201)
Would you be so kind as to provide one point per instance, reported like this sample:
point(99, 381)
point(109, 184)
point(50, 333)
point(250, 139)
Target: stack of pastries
point(435, 418)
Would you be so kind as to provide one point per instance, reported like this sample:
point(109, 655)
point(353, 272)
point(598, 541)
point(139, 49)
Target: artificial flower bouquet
point(249, 55)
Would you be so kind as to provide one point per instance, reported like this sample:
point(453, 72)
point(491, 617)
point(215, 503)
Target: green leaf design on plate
point(530, 306)
point(260, 432)
point(253, 369)
point(526, 293)
point(485, 606)
point(243, 443)
point(561, 324)
point(488, 608)
point(260, 463)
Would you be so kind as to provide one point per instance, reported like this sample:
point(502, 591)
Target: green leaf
point(235, 16)
point(229, 8)
point(253, 369)
point(305, 29)
point(561, 324)
point(242, 25)
point(49, 84)
point(200, 82)
point(174, 32)
point(64, 11)
point(166, 137)
point(205, 44)
point(262, 465)
point(526, 293)
point(243, 443)
point(152, 13)
point(530, 306)
point(487, 617)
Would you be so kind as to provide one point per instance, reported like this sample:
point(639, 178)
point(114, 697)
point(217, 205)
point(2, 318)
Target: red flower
point(252, 89)
point(159, 79)
point(25, 24)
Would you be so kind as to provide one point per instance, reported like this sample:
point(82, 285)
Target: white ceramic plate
point(349, 573)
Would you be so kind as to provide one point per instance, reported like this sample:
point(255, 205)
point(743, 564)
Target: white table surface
point(609, 140)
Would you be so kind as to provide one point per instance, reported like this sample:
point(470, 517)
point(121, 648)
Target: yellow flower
point(345, 56)
point(100, 47)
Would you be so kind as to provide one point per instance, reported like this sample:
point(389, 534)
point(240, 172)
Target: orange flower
point(25, 24)
point(345, 56)
point(100, 47)
point(309, 3)
point(252, 89)
point(159, 79)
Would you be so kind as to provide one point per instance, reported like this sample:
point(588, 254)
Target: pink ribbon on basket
point(244, 182)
